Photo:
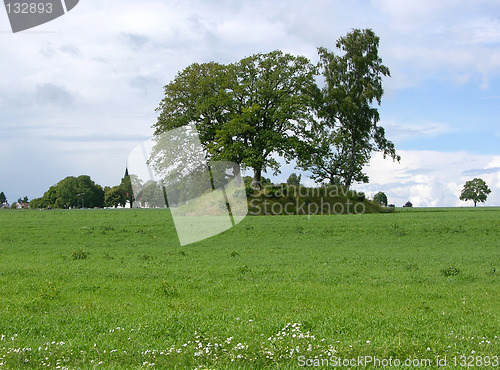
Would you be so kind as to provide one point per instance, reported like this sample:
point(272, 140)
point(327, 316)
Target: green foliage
point(269, 104)
point(380, 198)
point(408, 204)
point(114, 197)
point(168, 289)
point(79, 254)
point(347, 131)
point(475, 190)
point(152, 195)
point(72, 192)
point(293, 179)
point(245, 112)
point(37, 203)
point(23, 200)
point(450, 271)
point(126, 187)
point(301, 200)
point(3, 198)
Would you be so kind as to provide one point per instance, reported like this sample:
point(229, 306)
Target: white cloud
point(444, 39)
point(429, 178)
point(409, 15)
point(397, 131)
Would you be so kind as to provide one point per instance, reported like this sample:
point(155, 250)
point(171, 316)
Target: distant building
point(22, 205)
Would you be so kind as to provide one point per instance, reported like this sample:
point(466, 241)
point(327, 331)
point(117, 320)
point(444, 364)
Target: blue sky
point(78, 93)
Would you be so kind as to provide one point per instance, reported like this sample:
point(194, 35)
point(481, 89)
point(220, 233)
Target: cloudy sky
point(79, 93)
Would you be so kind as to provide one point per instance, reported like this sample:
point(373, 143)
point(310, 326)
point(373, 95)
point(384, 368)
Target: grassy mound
point(301, 200)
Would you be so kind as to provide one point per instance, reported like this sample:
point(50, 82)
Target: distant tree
point(329, 160)
point(408, 204)
point(126, 186)
point(94, 193)
point(67, 194)
point(114, 197)
point(3, 198)
point(25, 199)
point(37, 203)
point(475, 190)
point(380, 198)
point(152, 195)
point(73, 192)
point(13, 205)
point(293, 179)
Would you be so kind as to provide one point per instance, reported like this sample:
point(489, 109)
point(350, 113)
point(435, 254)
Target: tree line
point(324, 116)
point(83, 192)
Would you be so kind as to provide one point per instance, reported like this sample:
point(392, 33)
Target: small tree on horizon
point(3, 198)
point(380, 198)
point(293, 179)
point(475, 190)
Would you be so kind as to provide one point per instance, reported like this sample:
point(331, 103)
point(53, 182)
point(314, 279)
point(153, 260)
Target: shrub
point(79, 254)
point(408, 204)
point(294, 180)
point(450, 271)
point(167, 289)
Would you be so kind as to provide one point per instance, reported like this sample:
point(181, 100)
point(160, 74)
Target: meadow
point(114, 289)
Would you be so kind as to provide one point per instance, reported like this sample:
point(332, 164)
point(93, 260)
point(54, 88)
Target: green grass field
point(113, 289)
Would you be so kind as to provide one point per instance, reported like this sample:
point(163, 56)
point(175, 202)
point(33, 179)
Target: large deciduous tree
point(475, 190)
point(245, 112)
point(347, 130)
point(72, 192)
point(272, 105)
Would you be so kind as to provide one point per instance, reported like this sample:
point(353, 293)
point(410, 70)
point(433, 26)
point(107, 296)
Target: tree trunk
point(257, 174)
point(350, 173)
point(237, 174)
point(475, 203)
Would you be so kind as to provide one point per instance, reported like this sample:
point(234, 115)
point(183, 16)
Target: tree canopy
point(347, 130)
point(71, 192)
point(245, 112)
point(269, 105)
point(475, 190)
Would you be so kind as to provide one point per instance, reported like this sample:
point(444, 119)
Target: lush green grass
point(410, 284)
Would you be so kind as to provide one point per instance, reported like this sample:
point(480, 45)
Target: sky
point(79, 93)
